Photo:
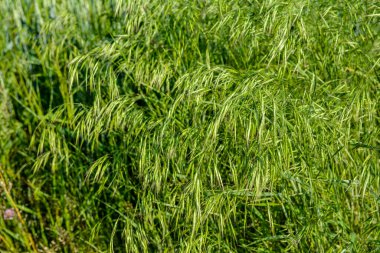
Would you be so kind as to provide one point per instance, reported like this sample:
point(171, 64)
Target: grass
point(189, 126)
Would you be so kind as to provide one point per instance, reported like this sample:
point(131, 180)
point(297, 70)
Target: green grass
point(190, 126)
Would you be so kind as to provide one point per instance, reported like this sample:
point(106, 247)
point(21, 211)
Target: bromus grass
point(189, 126)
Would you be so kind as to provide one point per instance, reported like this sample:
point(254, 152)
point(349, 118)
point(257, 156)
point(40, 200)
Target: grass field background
point(190, 126)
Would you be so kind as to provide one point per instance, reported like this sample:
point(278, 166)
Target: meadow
point(189, 126)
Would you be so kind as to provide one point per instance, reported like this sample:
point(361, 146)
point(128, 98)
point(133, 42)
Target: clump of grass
point(190, 126)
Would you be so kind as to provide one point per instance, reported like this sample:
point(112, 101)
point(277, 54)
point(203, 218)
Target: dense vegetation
point(188, 126)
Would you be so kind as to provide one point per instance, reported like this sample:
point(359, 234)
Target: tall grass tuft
point(189, 126)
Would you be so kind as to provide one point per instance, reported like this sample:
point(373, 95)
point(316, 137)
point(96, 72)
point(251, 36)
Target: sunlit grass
point(187, 126)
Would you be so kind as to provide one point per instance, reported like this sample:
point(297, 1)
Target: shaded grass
point(190, 126)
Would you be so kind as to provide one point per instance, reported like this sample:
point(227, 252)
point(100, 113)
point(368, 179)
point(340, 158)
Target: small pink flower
point(9, 214)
